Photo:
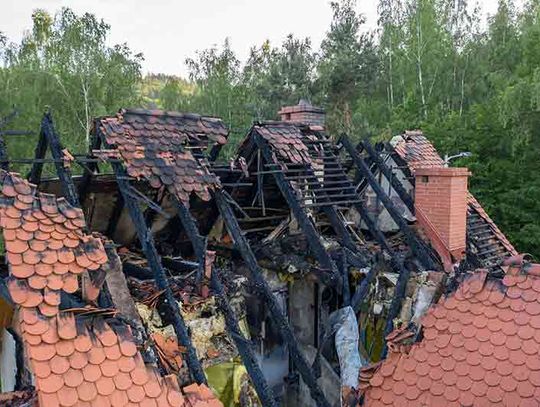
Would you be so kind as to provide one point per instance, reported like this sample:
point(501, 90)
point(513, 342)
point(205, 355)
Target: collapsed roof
point(293, 198)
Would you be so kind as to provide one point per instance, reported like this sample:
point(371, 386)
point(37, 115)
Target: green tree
point(348, 68)
point(275, 77)
point(64, 63)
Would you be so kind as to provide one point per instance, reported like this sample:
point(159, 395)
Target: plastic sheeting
point(347, 346)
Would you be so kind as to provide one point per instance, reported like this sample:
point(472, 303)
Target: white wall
point(8, 363)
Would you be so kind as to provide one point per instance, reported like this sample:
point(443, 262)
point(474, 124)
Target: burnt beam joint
point(242, 344)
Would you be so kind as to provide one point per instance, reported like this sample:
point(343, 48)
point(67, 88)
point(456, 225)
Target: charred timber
point(39, 154)
point(242, 344)
point(303, 220)
point(64, 173)
point(154, 262)
point(397, 300)
point(417, 247)
point(262, 286)
point(387, 172)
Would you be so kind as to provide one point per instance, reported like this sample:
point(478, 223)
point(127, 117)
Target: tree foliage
point(64, 64)
point(430, 64)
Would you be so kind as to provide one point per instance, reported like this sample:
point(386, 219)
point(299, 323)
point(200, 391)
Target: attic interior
point(273, 278)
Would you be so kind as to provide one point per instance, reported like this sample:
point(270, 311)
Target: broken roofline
point(153, 118)
point(431, 158)
point(327, 204)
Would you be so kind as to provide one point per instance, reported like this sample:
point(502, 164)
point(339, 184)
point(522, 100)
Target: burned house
point(163, 275)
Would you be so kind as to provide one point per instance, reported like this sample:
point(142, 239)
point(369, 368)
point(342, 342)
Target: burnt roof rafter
point(233, 327)
point(131, 196)
point(304, 221)
point(154, 261)
point(264, 289)
point(389, 175)
point(419, 249)
point(49, 138)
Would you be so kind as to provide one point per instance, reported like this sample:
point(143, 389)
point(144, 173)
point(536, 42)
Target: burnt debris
point(215, 270)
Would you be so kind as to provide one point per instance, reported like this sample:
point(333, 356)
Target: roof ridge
point(168, 113)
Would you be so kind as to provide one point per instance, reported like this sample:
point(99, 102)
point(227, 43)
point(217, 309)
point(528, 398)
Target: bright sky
point(169, 31)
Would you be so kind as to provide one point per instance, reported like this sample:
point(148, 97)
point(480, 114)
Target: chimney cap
point(304, 105)
point(442, 171)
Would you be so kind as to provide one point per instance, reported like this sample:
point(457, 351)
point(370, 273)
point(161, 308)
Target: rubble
point(179, 280)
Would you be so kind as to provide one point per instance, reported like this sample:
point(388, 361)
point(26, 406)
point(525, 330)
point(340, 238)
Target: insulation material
point(203, 330)
point(203, 327)
point(230, 382)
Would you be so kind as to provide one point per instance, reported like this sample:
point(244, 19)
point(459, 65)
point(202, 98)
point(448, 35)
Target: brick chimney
point(441, 210)
point(303, 112)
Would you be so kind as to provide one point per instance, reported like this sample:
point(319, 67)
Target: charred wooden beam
point(397, 300)
point(64, 173)
point(39, 154)
point(139, 196)
point(402, 164)
point(179, 266)
point(363, 289)
point(143, 273)
point(192, 231)
point(242, 344)
point(346, 290)
point(115, 216)
point(303, 220)
point(91, 168)
point(265, 393)
point(140, 273)
point(154, 262)
point(417, 247)
point(330, 211)
point(4, 163)
point(387, 172)
point(262, 286)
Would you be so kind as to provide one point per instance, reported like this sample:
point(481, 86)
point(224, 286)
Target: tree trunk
point(419, 62)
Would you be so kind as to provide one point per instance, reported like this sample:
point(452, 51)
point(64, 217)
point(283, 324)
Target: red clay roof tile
point(482, 358)
point(286, 140)
point(71, 367)
point(158, 145)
